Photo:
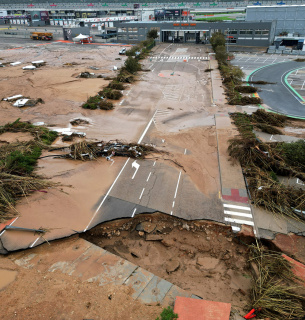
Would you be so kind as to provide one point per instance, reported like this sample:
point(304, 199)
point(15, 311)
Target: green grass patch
point(21, 163)
point(214, 19)
point(168, 314)
point(41, 134)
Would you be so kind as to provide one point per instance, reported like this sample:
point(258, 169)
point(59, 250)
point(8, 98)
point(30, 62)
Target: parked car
point(123, 51)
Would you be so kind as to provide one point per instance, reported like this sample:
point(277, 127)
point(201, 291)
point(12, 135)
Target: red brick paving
point(196, 309)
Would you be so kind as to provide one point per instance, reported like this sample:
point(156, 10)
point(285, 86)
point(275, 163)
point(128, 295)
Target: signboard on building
point(88, 14)
point(126, 18)
point(167, 13)
point(44, 15)
point(35, 15)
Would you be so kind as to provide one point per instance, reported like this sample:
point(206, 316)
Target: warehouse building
point(288, 19)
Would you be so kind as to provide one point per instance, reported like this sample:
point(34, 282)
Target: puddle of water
point(6, 277)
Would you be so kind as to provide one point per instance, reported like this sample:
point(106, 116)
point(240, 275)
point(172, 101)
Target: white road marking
point(297, 183)
point(147, 127)
point(31, 246)
point(121, 102)
point(173, 204)
point(112, 162)
point(148, 177)
point(238, 214)
point(235, 228)
point(135, 165)
point(96, 211)
point(250, 223)
point(177, 185)
point(235, 207)
point(184, 151)
point(9, 225)
point(171, 213)
point(154, 163)
point(134, 211)
point(141, 193)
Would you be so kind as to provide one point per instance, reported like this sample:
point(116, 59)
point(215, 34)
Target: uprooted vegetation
point(232, 75)
point(277, 292)
point(126, 74)
point(86, 150)
point(264, 162)
point(17, 163)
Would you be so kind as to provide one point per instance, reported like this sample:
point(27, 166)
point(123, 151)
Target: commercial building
point(259, 34)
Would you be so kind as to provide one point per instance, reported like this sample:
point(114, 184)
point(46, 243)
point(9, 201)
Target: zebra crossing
point(159, 115)
point(237, 215)
point(172, 92)
point(178, 58)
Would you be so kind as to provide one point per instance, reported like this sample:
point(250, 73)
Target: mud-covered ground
point(203, 258)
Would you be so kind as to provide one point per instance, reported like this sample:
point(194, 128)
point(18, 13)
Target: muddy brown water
point(6, 277)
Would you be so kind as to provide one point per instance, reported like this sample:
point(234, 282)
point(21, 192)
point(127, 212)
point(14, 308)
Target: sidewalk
point(80, 258)
point(232, 181)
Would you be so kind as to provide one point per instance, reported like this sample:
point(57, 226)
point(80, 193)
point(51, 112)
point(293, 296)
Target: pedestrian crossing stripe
point(237, 215)
point(180, 58)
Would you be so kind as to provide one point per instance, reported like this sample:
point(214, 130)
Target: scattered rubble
point(77, 122)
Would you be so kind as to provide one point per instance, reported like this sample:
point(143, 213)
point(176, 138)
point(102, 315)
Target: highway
point(278, 95)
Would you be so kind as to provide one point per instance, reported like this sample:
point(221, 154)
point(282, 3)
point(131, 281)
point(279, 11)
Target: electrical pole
point(228, 40)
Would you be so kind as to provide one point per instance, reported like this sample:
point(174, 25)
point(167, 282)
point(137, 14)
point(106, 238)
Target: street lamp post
point(228, 40)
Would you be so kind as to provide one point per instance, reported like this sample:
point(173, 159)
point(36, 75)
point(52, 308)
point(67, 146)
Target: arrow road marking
point(135, 165)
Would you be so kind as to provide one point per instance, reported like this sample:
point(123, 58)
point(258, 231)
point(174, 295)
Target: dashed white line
point(148, 177)
point(177, 185)
point(121, 102)
point(171, 213)
point(173, 204)
point(31, 246)
point(184, 151)
point(154, 163)
point(9, 225)
point(134, 211)
point(141, 194)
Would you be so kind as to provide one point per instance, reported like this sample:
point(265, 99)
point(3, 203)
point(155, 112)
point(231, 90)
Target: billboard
point(167, 13)
point(35, 15)
point(82, 14)
point(44, 15)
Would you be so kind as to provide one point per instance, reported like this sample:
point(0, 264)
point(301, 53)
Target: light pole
point(228, 39)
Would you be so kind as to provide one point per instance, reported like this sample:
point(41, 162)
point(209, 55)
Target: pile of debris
point(20, 101)
point(277, 292)
point(264, 162)
point(87, 75)
point(77, 122)
point(18, 161)
point(85, 150)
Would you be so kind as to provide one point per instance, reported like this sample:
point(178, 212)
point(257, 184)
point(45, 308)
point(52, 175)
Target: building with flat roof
point(258, 34)
point(288, 19)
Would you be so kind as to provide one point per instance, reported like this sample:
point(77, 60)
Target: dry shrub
point(273, 119)
point(246, 89)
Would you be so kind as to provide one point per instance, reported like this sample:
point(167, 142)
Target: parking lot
point(249, 62)
point(297, 80)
